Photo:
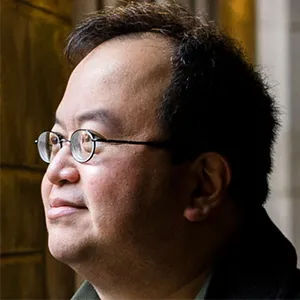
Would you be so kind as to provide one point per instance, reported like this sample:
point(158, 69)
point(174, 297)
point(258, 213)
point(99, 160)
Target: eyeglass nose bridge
point(63, 140)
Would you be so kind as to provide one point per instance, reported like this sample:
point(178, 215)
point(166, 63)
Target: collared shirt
point(87, 292)
point(202, 293)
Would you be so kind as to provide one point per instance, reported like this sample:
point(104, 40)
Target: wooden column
point(81, 8)
point(33, 77)
point(237, 17)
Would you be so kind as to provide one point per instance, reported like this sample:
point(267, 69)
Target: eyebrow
point(99, 115)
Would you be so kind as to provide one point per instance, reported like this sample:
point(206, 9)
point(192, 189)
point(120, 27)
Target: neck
point(156, 287)
point(133, 278)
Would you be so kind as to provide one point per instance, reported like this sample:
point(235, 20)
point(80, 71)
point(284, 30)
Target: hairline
point(171, 45)
point(123, 37)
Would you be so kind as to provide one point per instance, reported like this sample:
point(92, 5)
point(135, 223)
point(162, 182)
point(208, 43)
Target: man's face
point(131, 197)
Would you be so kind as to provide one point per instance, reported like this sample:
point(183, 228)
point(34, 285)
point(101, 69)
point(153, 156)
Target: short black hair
point(216, 102)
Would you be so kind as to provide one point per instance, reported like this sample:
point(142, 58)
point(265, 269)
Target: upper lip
point(58, 202)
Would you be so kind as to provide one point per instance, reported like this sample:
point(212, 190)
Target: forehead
point(124, 77)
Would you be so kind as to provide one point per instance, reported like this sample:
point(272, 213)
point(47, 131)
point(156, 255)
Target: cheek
point(46, 187)
point(112, 189)
point(119, 193)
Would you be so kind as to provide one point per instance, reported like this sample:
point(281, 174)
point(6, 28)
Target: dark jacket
point(258, 263)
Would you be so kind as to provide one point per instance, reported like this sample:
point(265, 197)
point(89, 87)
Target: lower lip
point(61, 211)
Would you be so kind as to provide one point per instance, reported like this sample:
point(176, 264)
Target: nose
point(63, 168)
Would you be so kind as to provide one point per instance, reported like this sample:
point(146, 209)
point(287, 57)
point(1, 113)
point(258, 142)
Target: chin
point(61, 250)
point(67, 248)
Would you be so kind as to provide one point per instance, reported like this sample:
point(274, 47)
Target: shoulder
point(294, 288)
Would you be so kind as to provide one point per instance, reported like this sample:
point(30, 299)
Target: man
point(159, 161)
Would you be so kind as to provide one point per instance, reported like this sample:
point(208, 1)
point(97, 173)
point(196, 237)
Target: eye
point(86, 138)
point(99, 142)
point(86, 142)
point(54, 139)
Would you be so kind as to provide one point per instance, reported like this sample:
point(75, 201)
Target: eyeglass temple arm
point(153, 144)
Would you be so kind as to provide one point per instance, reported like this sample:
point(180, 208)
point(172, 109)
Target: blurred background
point(33, 77)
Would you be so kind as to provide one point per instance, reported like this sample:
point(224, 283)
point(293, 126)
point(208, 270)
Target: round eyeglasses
point(82, 142)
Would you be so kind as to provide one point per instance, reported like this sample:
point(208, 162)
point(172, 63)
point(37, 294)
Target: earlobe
point(196, 213)
point(212, 174)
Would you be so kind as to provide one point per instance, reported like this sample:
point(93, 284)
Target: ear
point(212, 177)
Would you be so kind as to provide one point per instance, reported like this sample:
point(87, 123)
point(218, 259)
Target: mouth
point(61, 208)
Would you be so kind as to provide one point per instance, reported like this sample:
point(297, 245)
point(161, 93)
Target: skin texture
point(143, 220)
